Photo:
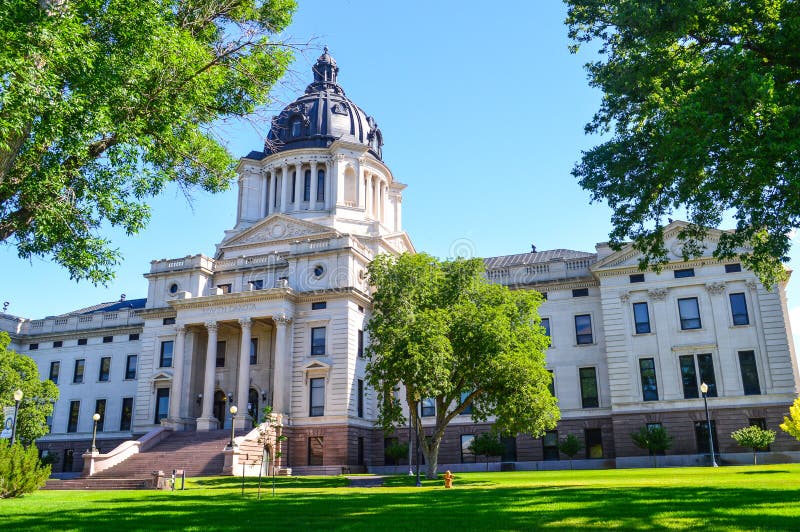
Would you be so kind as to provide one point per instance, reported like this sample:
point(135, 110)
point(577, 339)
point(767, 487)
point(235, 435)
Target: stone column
point(298, 186)
point(332, 193)
point(243, 419)
point(285, 184)
point(368, 195)
point(273, 190)
point(176, 392)
point(729, 381)
point(207, 421)
point(283, 360)
point(670, 387)
point(312, 199)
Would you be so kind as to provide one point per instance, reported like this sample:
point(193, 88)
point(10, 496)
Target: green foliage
point(20, 372)
point(570, 446)
point(486, 445)
point(105, 102)
point(701, 109)
point(791, 424)
point(442, 331)
point(20, 470)
point(655, 440)
point(754, 438)
point(397, 451)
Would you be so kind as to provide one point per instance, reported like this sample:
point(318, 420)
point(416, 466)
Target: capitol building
point(277, 317)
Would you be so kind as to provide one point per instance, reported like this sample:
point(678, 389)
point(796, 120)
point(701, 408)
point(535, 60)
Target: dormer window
point(296, 127)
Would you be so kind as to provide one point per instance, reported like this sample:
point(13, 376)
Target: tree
point(486, 445)
point(445, 334)
point(701, 109)
point(396, 451)
point(20, 372)
point(570, 446)
point(754, 437)
point(791, 424)
point(21, 471)
point(102, 103)
point(653, 439)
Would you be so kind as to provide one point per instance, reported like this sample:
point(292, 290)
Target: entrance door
point(219, 407)
point(162, 404)
point(252, 406)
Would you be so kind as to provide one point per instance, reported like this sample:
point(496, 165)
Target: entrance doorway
point(219, 407)
point(162, 404)
point(252, 405)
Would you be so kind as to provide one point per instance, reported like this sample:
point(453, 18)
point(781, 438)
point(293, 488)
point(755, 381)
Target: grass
point(729, 498)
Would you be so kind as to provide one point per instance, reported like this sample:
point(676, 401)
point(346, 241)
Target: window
point(360, 344)
point(68, 460)
point(221, 347)
point(388, 443)
point(467, 456)
point(580, 292)
point(319, 270)
point(165, 360)
point(127, 414)
point(100, 408)
point(315, 446)
point(733, 268)
point(77, 374)
point(320, 185)
point(317, 399)
point(173, 288)
point(105, 369)
point(647, 370)
point(739, 309)
point(428, 407)
point(130, 367)
point(33, 347)
point(689, 375)
point(589, 397)
point(58, 343)
point(583, 329)
point(551, 386)
point(701, 436)
point(468, 410)
point(747, 364)
point(361, 309)
point(74, 410)
point(253, 351)
point(55, 368)
point(296, 127)
point(168, 321)
point(637, 278)
point(360, 451)
point(550, 445)
point(307, 186)
point(162, 404)
point(108, 339)
point(682, 274)
point(81, 341)
point(641, 316)
point(224, 288)
point(257, 284)
point(360, 405)
point(319, 305)
point(318, 340)
point(546, 325)
point(594, 443)
point(133, 337)
point(690, 313)
point(294, 185)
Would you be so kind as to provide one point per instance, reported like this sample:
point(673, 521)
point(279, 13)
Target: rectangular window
point(165, 360)
point(546, 326)
point(468, 410)
point(733, 268)
point(74, 410)
point(589, 396)
point(701, 436)
point(550, 445)
point(739, 309)
point(68, 460)
point(747, 363)
point(360, 343)
point(428, 407)
point(133, 337)
point(130, 367)
point(641, 316)
point(583, 329)
point(467, 456)
point(168, 321)
point(100, 408)
point(224, 288)
point(257, 284)
point(105, 369)
point(307, 186)
point(551, 386)
point(58, 343)
point(127, 414)
point(319, 305)
point(689, 311)
point(647, 370)
point(318, 340)
point(317, 399)
point(108, 339)
point(33, 347)
point(55, 368)
point(682, 274)
point(360, 405)
point(77, 374)
point(704, 368)
point(221, 348)
point(81, 341)
point(689, 377)
point(321, 185)
point(360, 451)
point(315, 447)
point(594, 443)
point(162, 405)
point(637, 278)
point(253, 351)
point(580, 292)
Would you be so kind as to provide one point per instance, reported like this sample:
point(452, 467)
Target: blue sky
point(482, 109)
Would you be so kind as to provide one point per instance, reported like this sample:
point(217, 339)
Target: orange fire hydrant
point(448, 479)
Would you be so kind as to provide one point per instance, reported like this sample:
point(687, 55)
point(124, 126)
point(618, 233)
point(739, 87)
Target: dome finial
point(325, 69)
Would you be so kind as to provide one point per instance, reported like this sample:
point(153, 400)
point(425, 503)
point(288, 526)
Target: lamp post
point(416, 431)
point(96, 418)
point(704, 390)
point(17, 399)
point(233, 411)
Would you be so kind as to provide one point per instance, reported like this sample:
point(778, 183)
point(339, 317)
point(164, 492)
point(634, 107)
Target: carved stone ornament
point(245, 323)
point(211, 325)
point(180, 329)
point(625, 297)
point(657, 294)
point(715, 288)
point(282, 319)
point(751, 284)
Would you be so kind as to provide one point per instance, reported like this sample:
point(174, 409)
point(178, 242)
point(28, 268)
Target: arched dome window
point(321, 185)
point(307, 186)
point(296, 127)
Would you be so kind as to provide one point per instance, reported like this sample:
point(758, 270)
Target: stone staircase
point(198, 453)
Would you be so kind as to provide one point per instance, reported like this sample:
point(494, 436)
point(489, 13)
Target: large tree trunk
point(431, 453)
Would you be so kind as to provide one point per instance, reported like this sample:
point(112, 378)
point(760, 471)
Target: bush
point(570, 446)
point(486, 445)
point(652, 439)
point(754, 437)
point(21, 471)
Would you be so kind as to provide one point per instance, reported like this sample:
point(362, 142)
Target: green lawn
point(729, 498)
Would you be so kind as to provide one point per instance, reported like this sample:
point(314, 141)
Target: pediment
point(162, 376)
point(277, 228)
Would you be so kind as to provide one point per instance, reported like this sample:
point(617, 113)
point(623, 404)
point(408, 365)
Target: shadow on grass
point(772, 472)
point(504, 508)
point(280, 482)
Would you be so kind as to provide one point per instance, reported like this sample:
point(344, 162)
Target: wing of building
point(276, 317)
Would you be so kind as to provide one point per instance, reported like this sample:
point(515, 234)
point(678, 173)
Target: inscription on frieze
point(229, 309)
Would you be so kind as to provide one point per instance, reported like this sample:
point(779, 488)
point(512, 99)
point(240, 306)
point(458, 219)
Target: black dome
point(322, 115)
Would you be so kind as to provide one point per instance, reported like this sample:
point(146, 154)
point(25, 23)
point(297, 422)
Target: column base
point(177, 424)
point(242, 422)
point(207, 423)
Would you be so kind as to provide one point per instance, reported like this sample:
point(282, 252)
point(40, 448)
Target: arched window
point(252, 405)
point(296, 127)
point(294, 186)
point(307, 186)
point(321, 185)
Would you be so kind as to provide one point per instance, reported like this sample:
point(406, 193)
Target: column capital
point(180, 329)
point(245, 322)
point(657, 294)
point(211, 325)
point(282, 319)
point(715, 288)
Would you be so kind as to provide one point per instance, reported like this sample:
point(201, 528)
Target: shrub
point(21, 471)
point(791, 424)
point(486, 445)
point(397, 451)
point(753, 437)
point(653, 439)
point(570, 446)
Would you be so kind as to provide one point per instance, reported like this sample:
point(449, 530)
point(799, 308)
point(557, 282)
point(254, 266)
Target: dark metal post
point(410, 447)
point(416, 430)
point(710, 436)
